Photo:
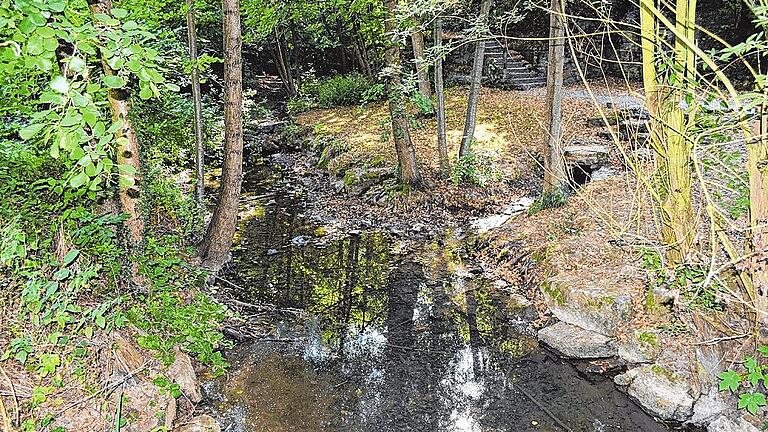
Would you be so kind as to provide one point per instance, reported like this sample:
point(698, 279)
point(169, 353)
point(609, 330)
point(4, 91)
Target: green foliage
point(165, 127)
point(548, 200)
point(698, 291)
point(423, 104)
point(63, 99)
point(476, 169)
point(749, 385)
point(172, 314)
point(339, 90)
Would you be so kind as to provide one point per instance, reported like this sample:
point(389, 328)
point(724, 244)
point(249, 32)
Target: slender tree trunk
point(284, 65)
point(442, 142)
point(127, 150)
point(218, 240)
point(422, 67)
point(474, 88)
point(196, 97)
point(409, 170)
point(554, 165)
point(757, 154)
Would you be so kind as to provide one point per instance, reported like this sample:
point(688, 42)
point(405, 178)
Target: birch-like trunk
point(475, 85)
point(127, 150)
point(198, 107)
point(221, 229)
point(422, 67)
point(554, 164)
point(442, 142)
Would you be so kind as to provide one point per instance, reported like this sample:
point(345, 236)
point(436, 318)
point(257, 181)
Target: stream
point(367, 332)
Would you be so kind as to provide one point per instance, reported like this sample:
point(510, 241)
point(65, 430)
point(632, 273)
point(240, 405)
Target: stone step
point(530, 86)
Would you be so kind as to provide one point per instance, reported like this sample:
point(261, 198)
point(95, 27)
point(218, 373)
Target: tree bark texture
point(442, 142)
point(554, 164)
point(221, 229)
point(757, 168)
point(422, 67)
point(475, 85)
point(409, 171)
point(198, 107)
point(127, 150)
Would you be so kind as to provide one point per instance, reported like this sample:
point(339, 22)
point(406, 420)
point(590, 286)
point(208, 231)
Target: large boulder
point(731, 423)
point(708, 407)
point(575, 342)
point(589, 307)
point(658, 391)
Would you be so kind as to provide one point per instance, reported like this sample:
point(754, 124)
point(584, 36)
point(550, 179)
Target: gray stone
point(202, 423)
point(659, 392)
point(588, 154)
point(183, 374)
point(731, 424)
point(634, 351)
point(708, 407)
point(575, 342)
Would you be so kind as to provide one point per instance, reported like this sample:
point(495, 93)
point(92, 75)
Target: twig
point(716, 341)
point(13, 394)
point(543, 408)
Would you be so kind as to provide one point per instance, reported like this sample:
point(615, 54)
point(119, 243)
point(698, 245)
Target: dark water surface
point(391, 340)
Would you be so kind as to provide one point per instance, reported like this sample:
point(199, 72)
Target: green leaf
point(31, 130)
point(60, 84)
point(729, 380)
point(71, 256)
point(754, 376)
point(128, 169)
point(763, 350)
point(751, 401)
point(113, 81)
point(61, 274)
point(49, 363)
point(145, 92)
point(119, 13)
point(78, 180)
point(77, 64)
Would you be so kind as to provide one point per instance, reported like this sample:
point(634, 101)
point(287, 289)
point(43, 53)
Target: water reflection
point(393, 343)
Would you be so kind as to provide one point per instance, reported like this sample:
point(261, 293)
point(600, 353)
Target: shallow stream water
point(374, 336)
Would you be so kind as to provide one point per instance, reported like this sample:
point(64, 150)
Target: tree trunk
point(284, 65)
point(442, 142)
point(422, 67)
point(409, 170)
point(757, 154)
point(554, 165)
point(127, 149)
point(474, 88)
point(196, 97)
point(218, 239)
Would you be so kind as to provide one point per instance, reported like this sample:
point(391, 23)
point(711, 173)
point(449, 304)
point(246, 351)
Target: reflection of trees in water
point(341, 282)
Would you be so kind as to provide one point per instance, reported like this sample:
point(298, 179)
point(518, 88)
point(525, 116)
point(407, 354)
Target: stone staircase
point(505, 68)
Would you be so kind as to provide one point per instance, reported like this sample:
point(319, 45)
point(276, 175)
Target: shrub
point(344, 90)
point(475, 168)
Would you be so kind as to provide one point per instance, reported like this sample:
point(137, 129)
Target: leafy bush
point(166, 129)
point(340, 90)
point(753, 382)
point(548, 200)
point(173, 313)
point(475, 168)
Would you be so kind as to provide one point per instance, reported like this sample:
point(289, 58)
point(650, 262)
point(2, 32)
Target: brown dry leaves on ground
point(510, 125)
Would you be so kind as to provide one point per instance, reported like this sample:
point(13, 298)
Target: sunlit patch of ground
point(511, 128)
